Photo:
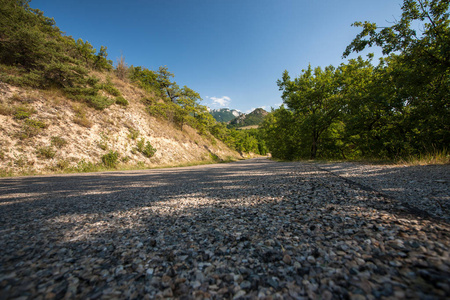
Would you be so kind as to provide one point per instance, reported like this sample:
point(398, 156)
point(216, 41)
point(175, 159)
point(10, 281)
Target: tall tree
point(314, 98)
point(418, 67)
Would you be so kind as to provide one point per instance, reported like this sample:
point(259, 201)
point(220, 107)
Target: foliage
point(145, 148)
point(40, 56)
point(46, 152)
point(121, 101)
point(133, 133)
point(111, 89)
point(399, 108)
point(58, 141)
point(111, 159)
point(22, 112)
point(86, 166)
point(148, 150)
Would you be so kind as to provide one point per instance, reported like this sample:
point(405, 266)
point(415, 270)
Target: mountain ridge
point(255, 118)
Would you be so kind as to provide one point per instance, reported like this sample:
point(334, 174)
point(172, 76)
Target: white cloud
point(221, 102)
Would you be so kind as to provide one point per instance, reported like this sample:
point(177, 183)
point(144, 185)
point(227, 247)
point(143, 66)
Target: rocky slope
point(44, 132)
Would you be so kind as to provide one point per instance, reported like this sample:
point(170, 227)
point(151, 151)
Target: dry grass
point(435, 158)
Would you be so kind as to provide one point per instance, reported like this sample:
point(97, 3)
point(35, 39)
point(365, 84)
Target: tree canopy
point(397, 108)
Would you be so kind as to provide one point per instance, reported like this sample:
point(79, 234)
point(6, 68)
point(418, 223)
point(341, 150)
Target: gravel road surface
point(246, 230)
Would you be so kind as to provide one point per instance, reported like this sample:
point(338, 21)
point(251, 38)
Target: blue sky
point(230, 51)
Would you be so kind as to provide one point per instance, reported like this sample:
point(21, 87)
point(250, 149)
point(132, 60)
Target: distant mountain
point(254, 118)
point(225, 114)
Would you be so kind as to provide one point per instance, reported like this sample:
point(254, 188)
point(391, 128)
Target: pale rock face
point(108, 130)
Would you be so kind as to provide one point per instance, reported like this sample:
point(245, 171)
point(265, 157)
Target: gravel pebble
point(246, 230)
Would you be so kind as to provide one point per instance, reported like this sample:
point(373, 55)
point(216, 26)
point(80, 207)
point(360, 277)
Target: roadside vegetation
point(397, 109)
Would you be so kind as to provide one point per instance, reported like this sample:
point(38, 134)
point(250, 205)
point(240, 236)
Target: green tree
point(281, 134)
point(170, 89)
point(314, 98)
point(417, 70)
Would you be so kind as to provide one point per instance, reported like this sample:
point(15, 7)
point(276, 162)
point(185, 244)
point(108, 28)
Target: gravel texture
point(424, 188)
point(252, 229)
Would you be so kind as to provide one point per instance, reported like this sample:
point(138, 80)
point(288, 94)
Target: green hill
point(225, 115)
point(256, 117)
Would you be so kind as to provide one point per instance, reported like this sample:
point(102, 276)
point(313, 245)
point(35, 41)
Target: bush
point(110, 159)
point(133, 133)
point(36, 123)
point(121, 101)
point(98, 102)
point(111, 89)
point(62, 165)
point(83, 121)
point(23, 112)
point(84, 166)
point(145, 148)
point(58, 142)
point(46, 152)
point(6, 110)
point(148, 150)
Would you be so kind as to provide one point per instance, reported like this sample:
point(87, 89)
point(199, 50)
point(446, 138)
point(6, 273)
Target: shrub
point(140, 145)
point(6, 110)
point(62, 164)
point(46, 152)
point(111, 89)
point(83, 121)
point(148, 150)
point(145, 148)
point(110, 159)
point(133, 133)
point(36, 123)
point(58, 142)
point(31, 128)
point(80, 116)
point(84, 166)
point(121, 101)
point(98, 102)
point(23, 112)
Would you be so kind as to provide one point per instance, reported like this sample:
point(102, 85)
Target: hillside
point(254, 118)
point(63, 135)
point(64, 106)
point(225, 114)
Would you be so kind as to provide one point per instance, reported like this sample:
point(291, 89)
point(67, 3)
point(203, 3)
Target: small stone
point(168, 292)
point(353, 271)
point(326, 295)
point(150, 272)
point(287, 259)
point(357, 297)
point(245, 285)
point(311, 259)
point(239, 294)
point(395, 263)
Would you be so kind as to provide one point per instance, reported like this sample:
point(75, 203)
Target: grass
point(22, 112)
point(58, 141)
point(434, 158)
point(134, 134)
point(80, 116)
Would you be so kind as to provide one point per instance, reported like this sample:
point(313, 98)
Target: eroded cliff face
point(44, 132)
